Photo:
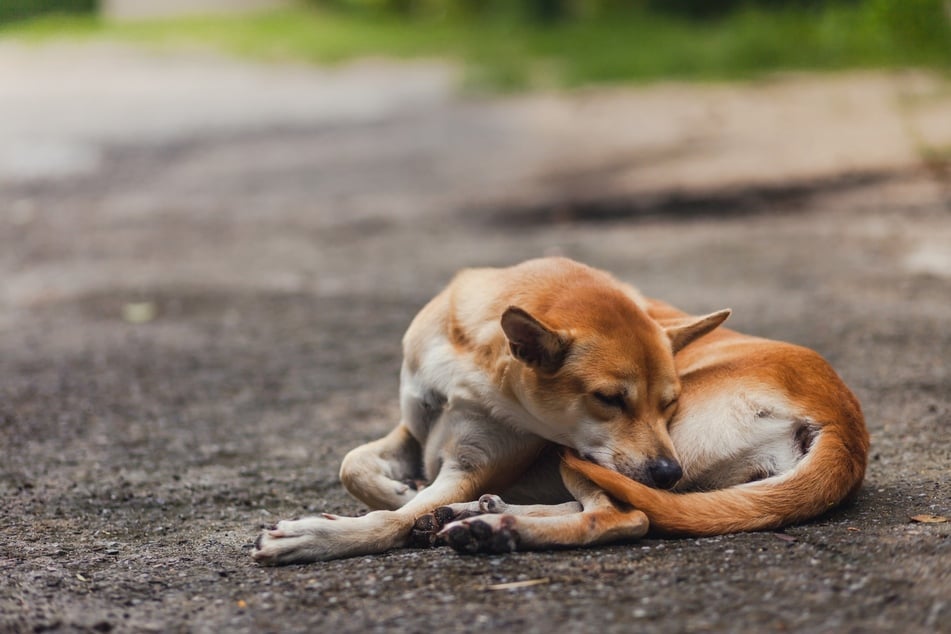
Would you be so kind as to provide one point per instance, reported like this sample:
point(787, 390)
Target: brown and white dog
point(506, 364)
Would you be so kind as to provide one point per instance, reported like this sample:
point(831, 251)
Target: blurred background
point(718, 94)
point(525, 43)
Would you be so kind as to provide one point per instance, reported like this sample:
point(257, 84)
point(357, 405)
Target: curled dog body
point(505, 365)
point(768, 434)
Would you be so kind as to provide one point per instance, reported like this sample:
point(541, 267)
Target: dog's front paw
point(307, 540)
point(285, 543)
point(483, 534)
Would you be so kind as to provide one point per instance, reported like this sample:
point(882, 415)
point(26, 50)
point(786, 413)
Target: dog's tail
point(831, 472)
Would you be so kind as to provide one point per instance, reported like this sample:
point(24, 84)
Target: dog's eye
point(670, 404)
point(611, 400)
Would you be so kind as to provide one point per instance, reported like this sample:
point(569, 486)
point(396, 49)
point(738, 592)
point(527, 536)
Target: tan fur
point(506, 364)
point(831, 472)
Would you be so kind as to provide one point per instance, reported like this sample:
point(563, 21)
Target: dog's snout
point(665, 472)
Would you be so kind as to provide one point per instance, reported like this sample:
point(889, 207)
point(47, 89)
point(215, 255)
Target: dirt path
point(274, 255)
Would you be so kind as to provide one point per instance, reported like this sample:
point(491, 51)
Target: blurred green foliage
point(518, 44)
point(736, 35)
point(916, 25)
point(566, 10)
point(743, 36)
point(13, 10)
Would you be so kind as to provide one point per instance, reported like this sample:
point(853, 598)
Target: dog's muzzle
point(659, 473)
point(664, 473)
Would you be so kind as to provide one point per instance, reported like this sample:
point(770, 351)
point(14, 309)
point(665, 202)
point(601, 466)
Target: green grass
point(504, 55)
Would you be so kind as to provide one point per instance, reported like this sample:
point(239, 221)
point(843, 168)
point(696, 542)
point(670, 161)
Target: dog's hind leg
point(386, 473)
point(597, 519)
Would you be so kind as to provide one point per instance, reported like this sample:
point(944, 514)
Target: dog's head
point(599, 375)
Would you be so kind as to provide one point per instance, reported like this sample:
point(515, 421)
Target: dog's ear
point(686, 330)
point(532, 342)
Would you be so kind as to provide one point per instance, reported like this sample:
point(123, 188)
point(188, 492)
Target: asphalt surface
point(196, 326)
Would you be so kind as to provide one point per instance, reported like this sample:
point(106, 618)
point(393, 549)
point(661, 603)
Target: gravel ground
point(194, 331)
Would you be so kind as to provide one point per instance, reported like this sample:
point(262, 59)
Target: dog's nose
point(665, 472)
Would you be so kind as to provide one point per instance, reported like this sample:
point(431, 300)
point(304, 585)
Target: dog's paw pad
point(476, 536)
point(460, 539)
point(425, 531)
point(427, 523)
point(443, 516)
point(426, 528)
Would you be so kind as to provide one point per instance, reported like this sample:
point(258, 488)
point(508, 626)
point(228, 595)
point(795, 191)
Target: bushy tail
point(831, 472)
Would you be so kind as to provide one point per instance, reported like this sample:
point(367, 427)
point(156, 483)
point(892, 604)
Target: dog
point(767, 435)
point(675, 425)
point(496, 367)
